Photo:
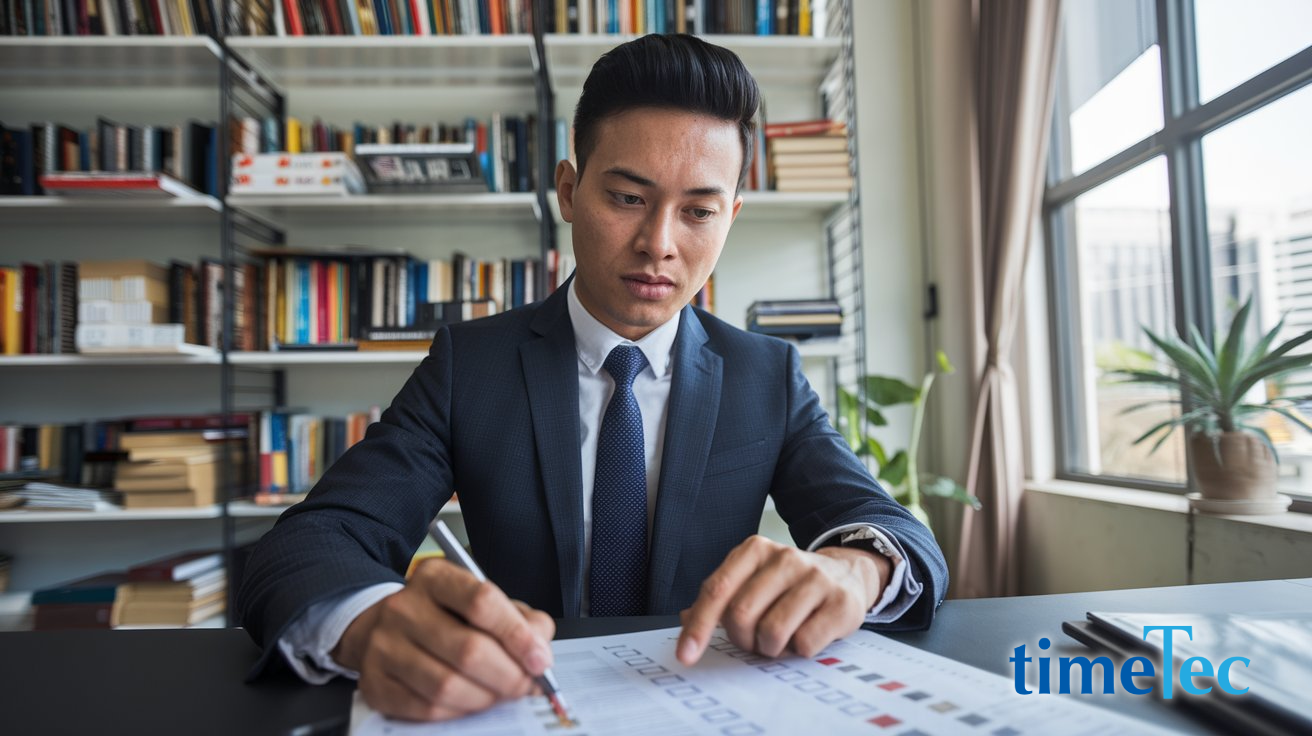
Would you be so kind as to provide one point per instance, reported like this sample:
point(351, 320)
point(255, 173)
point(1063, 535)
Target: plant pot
point(1236, 475)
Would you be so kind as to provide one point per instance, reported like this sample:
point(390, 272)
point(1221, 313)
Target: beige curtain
point(1015, 57)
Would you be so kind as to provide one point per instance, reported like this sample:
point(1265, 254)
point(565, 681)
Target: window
point(1180, 186)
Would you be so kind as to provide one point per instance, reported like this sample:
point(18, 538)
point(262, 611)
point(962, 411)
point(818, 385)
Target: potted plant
point(900, 470)
point(1233, 459)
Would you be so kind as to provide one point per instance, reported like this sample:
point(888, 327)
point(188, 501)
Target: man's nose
point(657, 235)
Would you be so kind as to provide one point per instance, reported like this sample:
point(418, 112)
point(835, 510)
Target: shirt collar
point(594, 341)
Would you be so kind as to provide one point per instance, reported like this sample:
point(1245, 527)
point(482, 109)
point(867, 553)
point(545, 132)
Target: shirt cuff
point(902, 590)
point(308, 643)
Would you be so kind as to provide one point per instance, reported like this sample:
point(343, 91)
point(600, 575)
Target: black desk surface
point(193, 681)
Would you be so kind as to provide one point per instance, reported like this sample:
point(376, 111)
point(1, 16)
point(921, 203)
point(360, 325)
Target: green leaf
point(877, 451)
point(1229, 357)
point(1259, 351)
point(919, 512)
point(887, 391)
point(895, 470)
point(1270, 368)
point(950, 489)
point(875, 417)
point(1194, 370)
point(944, 365)
point(1202, 347)
point(1149, 405)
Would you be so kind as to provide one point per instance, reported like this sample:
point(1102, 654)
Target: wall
point(1077, 538)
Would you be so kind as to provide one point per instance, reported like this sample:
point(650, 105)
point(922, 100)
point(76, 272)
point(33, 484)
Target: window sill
point(1158, 501)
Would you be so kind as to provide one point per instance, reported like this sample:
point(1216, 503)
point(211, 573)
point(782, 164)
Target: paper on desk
point(632, 684)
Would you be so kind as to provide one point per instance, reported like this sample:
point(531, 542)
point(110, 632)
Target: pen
point(441, 534)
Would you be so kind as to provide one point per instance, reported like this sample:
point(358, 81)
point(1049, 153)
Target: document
point(632, 684)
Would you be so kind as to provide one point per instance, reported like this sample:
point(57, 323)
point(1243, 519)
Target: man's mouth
point(646, 286)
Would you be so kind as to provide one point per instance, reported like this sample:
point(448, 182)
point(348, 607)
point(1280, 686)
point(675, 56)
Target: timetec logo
point(1132, 669)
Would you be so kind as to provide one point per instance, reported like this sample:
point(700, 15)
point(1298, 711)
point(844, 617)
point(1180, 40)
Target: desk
point(192, 681)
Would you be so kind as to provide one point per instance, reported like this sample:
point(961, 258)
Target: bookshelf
point(778, 248)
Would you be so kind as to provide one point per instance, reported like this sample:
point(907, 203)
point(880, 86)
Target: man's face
point(651, 214)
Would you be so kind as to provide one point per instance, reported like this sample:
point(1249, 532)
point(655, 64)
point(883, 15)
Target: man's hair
point(668, 71)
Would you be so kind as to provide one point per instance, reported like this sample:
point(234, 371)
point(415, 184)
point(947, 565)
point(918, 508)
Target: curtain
point(1015, 58)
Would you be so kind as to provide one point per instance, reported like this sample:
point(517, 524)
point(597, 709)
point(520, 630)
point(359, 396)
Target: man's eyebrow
point(645, 182)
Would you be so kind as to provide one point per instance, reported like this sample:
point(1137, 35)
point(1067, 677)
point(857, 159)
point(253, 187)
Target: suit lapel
point(689, 428)
point(550, 366)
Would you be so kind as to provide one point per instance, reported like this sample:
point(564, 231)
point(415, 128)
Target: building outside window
point(1180, 186)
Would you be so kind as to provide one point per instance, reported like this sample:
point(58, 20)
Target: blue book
point(764, 17)
point(516, 284)
point(612, 16)
point(303, 306)
point(101, 588)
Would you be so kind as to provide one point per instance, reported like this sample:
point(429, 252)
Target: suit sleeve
point(365, 517)
point(819, 485)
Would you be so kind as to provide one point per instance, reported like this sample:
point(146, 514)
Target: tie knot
point(624, 363)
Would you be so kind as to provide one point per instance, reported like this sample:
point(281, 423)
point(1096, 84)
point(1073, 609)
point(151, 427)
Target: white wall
point(1075, 538)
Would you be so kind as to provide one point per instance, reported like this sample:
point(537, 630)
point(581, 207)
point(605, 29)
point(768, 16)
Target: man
point(613, 447)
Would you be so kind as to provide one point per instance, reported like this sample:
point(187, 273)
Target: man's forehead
point(646, 145)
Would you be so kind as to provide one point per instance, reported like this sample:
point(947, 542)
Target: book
point(98, 588)
point(115, 184)
point(181, 566)
point(420, 167)
point(809, 144)
point(805, 128)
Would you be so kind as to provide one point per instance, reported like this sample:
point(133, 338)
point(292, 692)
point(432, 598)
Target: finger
point(777, 626)
point(475, 655)
point(717, 590)
point(484, 606)
point(391, 697)
point(434, 682)
point(829, 621)
point(784, 568)
point(542, 624)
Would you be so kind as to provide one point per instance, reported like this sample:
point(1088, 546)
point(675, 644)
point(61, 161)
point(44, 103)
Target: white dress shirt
point(309, 641)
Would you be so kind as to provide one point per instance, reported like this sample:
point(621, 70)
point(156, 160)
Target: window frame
point(1184, 124)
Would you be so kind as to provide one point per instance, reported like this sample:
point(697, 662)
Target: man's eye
point(629, 198)
point(701, 213)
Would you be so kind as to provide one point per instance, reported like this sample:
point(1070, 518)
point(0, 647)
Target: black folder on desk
point(1278, 645)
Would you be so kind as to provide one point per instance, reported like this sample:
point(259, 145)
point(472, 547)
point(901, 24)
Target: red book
point(185, 422)
point(415, 10)
point(183, 566)
point(29, 308)
point(100, 183)
point(321, 290)
point(806, 127)
point(53, 616)
point(495, 11)
point(334, 17)
point(293, 13)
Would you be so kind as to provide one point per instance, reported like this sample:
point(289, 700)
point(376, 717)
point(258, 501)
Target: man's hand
point(772, 597)
point(445, 646)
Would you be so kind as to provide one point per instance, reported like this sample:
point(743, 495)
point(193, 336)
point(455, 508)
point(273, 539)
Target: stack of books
point(809, 156)
point(295, 173)
point(802, 319)
point(87, 603)
point(123, 307)
point(169, 469)
point(176, 591)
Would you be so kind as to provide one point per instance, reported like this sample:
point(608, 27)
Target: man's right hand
point(445, 646)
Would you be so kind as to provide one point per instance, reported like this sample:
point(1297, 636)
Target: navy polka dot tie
point(618, 581)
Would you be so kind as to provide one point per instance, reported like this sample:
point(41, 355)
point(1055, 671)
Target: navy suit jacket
point(493, 413)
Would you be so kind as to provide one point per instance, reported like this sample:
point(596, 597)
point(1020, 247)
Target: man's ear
point(566, 178)
point(737, 205)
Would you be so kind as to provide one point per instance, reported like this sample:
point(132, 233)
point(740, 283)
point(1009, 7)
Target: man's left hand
point(773, 597)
